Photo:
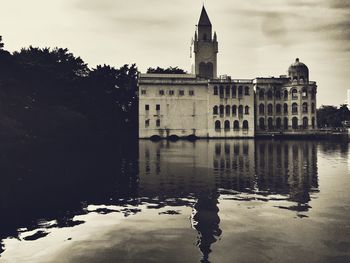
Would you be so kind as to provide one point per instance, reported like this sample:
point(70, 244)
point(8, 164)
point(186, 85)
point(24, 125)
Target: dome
point(298, 71)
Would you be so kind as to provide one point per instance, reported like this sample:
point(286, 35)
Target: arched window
point(285, 123)
point(305, 110)
point(234, 92)
point(278, 108)
point(227, 110)
point(234, 110)
point(227, 125)
point(295, 123)
point(278, 123)
point(262, 124)
point(278, 94)
point(215, 110)
point(261, 109)
point(236, 125)
point(245, 125)
point(285, 108)
point(261, 94)
point(294, 94)
point(270, 123)
point(246, 91)
point(217, 125)
point(227, 91)
point(285, 94)
point(240, 91)
point(222, 109)
point(313, 122)
point(269, 95)
point(312, 107)
point(246, 110)
point(240, 110)
point(269, 109)
point(305, 123)
point(215, 90)
point(304, 92)
point(294, 108)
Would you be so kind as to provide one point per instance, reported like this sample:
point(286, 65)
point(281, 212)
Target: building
point(203, 105)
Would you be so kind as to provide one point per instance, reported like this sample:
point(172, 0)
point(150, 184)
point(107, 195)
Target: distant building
point(204, 105)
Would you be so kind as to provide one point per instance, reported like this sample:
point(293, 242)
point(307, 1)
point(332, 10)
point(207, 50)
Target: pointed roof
point(204, 18)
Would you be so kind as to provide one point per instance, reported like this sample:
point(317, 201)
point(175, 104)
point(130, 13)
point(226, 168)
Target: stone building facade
point(203, 105)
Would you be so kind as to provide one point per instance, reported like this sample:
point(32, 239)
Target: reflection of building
point(204, 105)
point(173, 173)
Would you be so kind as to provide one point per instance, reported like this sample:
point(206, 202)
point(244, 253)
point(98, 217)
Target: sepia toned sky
point(256, 38)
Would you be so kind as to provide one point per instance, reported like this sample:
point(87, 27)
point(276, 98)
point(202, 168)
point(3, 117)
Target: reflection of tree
point(206, 221)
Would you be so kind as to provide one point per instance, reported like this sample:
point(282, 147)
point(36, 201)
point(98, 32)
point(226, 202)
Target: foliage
point(169, 70)
point(331, 116)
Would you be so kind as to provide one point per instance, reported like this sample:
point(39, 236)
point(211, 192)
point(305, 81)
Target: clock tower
point(205, 49)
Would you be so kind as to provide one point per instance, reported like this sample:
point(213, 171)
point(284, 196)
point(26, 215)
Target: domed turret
point(298, 72)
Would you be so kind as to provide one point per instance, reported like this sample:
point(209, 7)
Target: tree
point(169, 70)
point(1, 43)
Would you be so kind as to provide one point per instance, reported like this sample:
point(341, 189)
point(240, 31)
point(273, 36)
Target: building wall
point(180, 112)
point(227, 97)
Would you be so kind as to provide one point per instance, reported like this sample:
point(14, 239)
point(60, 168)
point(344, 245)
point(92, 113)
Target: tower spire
point(204, 18)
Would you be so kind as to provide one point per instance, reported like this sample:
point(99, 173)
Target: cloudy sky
point(256, 38)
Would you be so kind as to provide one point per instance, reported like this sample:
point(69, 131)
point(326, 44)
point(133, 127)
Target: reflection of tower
point(205, 220)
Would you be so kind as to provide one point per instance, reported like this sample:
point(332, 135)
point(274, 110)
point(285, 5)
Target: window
point(294, 94)
point(215, 110)
point(285, 95)
point(313, 93)
point(313, 122)
point(246, 91)
point(158, 123)
point(143, 92)
point(305, 108)
point(262, 124)
point(217, 125)
point(161, 92)
point(285, 108)
point(171, 92)
point(278, 109)
point(269, 109)
point(234, 110)
point(227, 91)
point(221, 90)
point(278, 95)
point(269, 95)
point(236, 125)
point(294, 108)
point(304, 93)
point(227, 110)
point(227, 125)
point(240, 110)
point(146, 123)
point(278, 123)
point(240, 91)
point(191, 92)
point(245, 125)
point(285, 123)
point(312, 107)
point(181, 92)
point(305, 123)
point(261, 94)
point(146, 107)
point(221, 109)
point(234, 92)
point(295, 123)
point(261, 109)
point(215, 90)
point(157, 107)
point(246, 110)
point(270, 123)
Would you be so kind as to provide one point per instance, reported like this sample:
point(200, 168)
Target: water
point(203, 201)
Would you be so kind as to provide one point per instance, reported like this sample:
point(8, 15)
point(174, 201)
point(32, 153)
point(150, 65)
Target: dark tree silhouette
point(169, 70)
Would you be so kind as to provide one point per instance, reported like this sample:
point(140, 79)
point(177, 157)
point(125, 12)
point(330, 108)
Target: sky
point(256, 38)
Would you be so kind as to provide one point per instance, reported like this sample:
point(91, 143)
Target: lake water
point(203, 201)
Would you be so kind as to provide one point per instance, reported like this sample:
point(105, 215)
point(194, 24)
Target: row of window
point(231, 91)
point(147, 123)
point(227, 125)
point(157, 107)
point(278, 123)
point(228, 109)
point(170, 92)
point(278, 108)
point(278, 94)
